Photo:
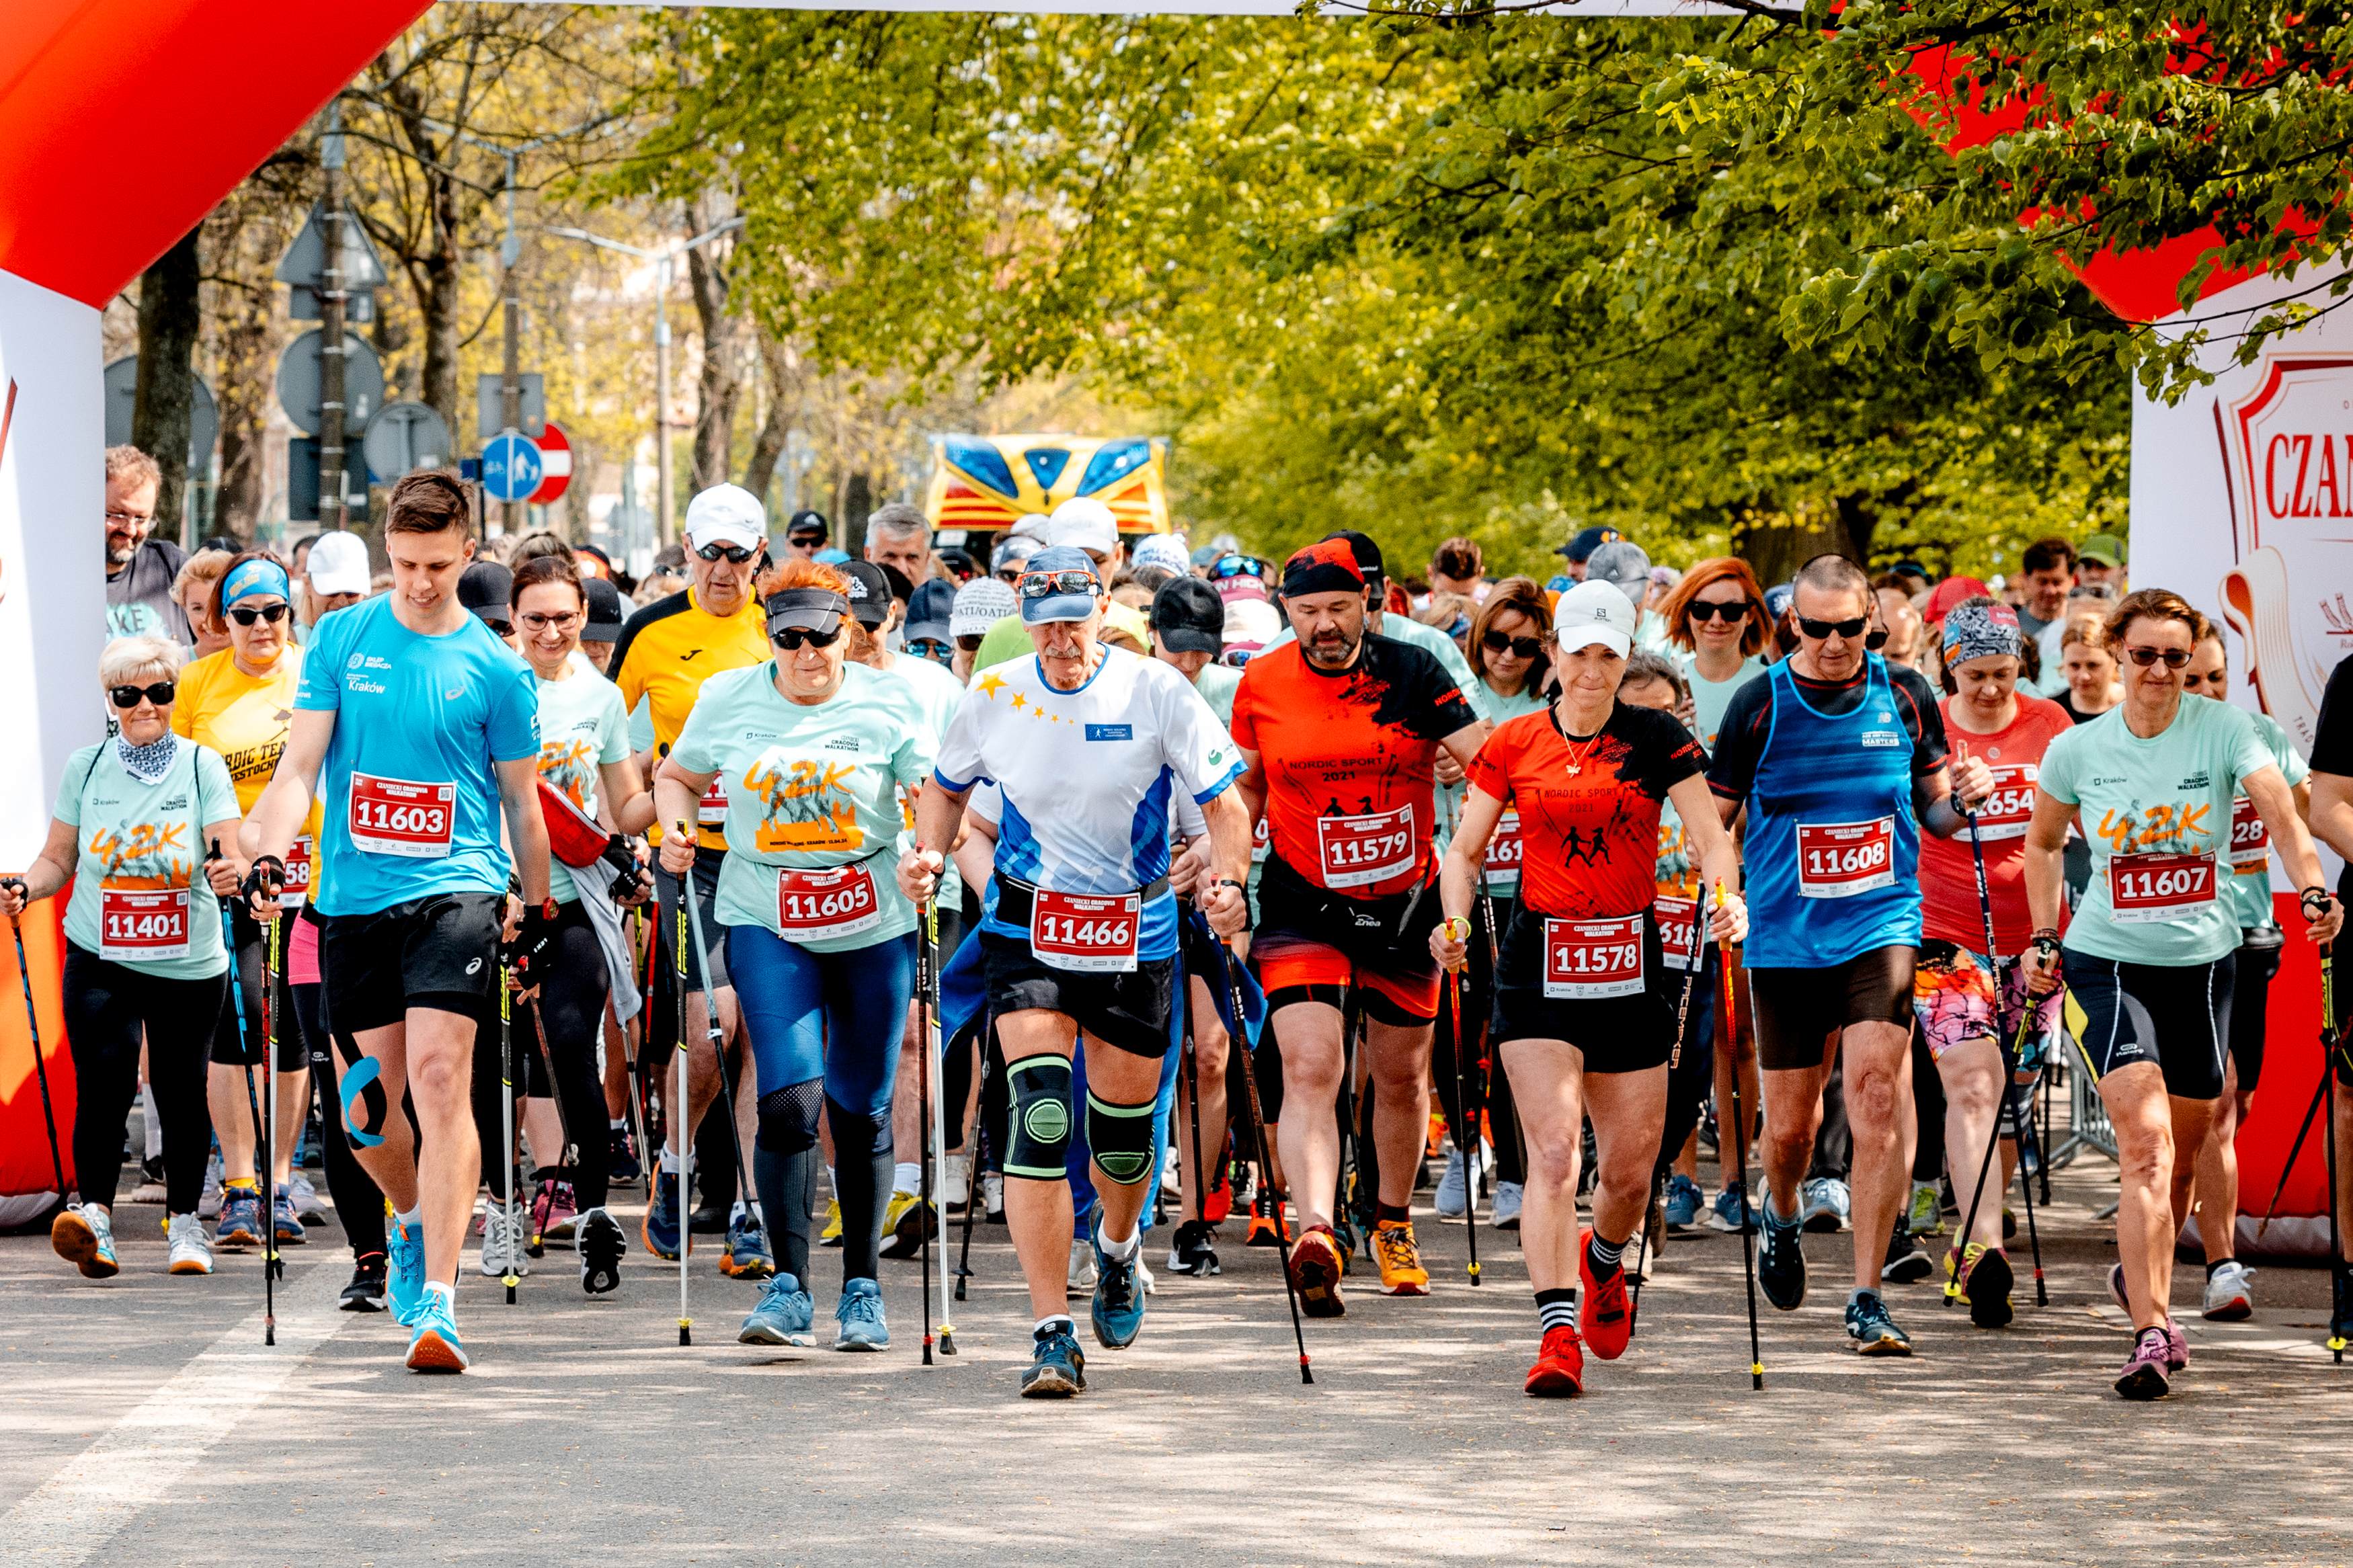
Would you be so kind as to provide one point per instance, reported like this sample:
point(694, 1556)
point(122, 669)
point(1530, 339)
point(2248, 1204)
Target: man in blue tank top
point(1840, 758)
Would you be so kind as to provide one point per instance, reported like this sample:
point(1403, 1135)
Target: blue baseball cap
point(1042, 607)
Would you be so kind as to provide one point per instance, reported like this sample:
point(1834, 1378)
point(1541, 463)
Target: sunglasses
point(733, 554)
point(1237, 566)
point(926, 647)
point(792, 638)
point(1821, 630)
point(160, 694)
point(1727, 610)
point(1525, 648)
point(1045, 585)
point(273, 613)
point(2144, 657)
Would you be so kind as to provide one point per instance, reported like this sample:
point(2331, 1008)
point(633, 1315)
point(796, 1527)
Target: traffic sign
point(402, 438)
point(302, 484)
point(122, 394)
point(556, 468)
point(297, 382)
point(305, 265)
point(512, 468)
point(489, 405)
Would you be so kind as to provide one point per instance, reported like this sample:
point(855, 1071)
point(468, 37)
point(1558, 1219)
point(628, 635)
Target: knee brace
point(360, 1086)
point(1120, 1139)
point(1041, 1118)
point(788, 1116)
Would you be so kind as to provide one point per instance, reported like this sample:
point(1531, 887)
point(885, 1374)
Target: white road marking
point(74, 1514)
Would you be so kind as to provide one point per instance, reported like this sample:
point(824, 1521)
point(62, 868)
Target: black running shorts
point(1797, 1010)
point(440, 952)
point(2176, 1017)
point(1614, 1034)
point(1127, 1011)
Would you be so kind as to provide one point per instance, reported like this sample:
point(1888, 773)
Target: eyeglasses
point(1722, 609)
point(160, 694)
point(132, 519)
point(245, 616)
point(1045, 585)
point(733, 554)
point(2144, 657)
point(562, 623)
point(1525, 647)
point(792, 638)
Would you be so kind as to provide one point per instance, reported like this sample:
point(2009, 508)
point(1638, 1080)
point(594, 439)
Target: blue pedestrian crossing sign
point(512, 468)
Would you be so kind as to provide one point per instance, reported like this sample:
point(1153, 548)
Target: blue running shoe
point(1870, 1327)
point(1725, 1212)
point(621, 1157)
point(1119, 1296)
point(1781, 1261)
point(1682, 1202)
point(435, 1345)
point(286, 1222)
point(746, 1254)
point(1058, 1368)
point(861, 1316)
point(404, 1271)
point(661, 1229)
point(240, 1216)
point(1824, 1206)
point(782, 1316)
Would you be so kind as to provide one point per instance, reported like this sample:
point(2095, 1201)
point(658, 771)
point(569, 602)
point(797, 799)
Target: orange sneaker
point(1315, 1267)
point(1603, 1311)
point(1400, 1259)
point(1559, 1371)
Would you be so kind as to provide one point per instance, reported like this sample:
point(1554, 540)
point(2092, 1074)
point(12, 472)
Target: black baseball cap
point(870, 593)
point(806, 521)
point(484, 588)
point(605, 611)
point(1189, 616)
point(1367, 554)
point(1586, 541)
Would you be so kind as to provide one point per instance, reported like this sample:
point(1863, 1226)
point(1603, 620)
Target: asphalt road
point(142, 1420)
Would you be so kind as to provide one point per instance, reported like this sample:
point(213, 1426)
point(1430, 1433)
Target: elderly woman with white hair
point(136, 819)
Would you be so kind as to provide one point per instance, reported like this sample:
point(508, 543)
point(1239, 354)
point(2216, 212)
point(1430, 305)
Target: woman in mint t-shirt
point(2151, 953)
point(819, 938)
point(135, 819)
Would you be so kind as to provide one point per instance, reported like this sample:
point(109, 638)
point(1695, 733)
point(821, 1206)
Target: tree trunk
point(784, 408)
point(857, 506)
point(170, 313)
point(438, 303)
point(247, 389)
point(722, 382)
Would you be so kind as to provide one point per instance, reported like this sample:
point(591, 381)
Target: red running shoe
point(1315, 1267)
point(1603, 1312)
point(1559, 1371)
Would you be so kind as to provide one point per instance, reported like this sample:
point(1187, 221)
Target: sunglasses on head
point(1525, 648)
point(1849, 629)
point(733, 554)
point(792, 638)
point(1721, 610)
point(245, 616)
point(160, 694)
point(1043, 584)
point(1236, 567)
point(2144, 657)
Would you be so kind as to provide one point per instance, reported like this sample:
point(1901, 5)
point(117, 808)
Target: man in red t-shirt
point(1338, 733)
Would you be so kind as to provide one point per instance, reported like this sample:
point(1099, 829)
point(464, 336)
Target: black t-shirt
point(1740, 739)
point(2075, 715)
point(2332, 744)
point(138, 600)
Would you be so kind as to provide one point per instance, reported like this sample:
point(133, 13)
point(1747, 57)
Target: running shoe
point(858, 1315)
point(1080, 1279)
point(2340, 1306)
point(2176, 1345)
point(746, 1255)
point(661, 1229)
point(84, 1237)
point(1453, 1195)
point(783, 1317)
point(286, 1222)
point(192, 1250)
point(1316, 1265)
point(1872, 1330)
point(1267, 1230)
point(208, 1206)
point(1781, 1261)
point(831, 1235)
point(1219, 1202)
point(710, 1219)
point(1559, 1371)
point(1346, 1235)
point(502, 1246)
point(1189, 1251)
point(1984, 1284)
point(433, 1345)
point(1506, 1208)
point(1118, 1310)
point(601, 1241)
point(1058, 1368)
point(1723, 1214)
point(1604, 1314)
point(906, 1223)
point(1682, 1202)
point(240, 1216)
point(1925, 1217)
point(151, 1188)
point(621, 1157)
point(1242, 1182)
point(1399, 1258)
point(306, 1199)
point(365, 1293)
point(554, 1212)
point(1906, 1264)
point(2228, 1297)
point(2145, 1373)
point(404, 1278)
point(992, 1197)
point(1825, 1205)
point(955, 1185)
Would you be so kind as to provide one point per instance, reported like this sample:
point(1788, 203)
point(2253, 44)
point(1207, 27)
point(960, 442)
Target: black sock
point(1557, 1308)
point(864, 1156)
point(1402, 1213)
point(2217, 1264)
point(1605, 1256)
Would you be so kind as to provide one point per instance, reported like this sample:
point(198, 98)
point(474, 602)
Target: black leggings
point(572, 994)
point(240, 1035)
point(359, 1201)
point(1690, 1078)
point(1502, 1111)
point(109, 1007)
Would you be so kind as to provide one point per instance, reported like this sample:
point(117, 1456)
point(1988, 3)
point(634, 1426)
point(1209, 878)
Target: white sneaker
point(307, 1206)
point(955, 1179)
point(208, 1206)
point(1082, 1276)
point(1453, 1191)
point(498, 1247)
point(1507, 1206)
point(191, 1249)
point(1171, 1180)
point(2228, 1299)
point(992, 1197)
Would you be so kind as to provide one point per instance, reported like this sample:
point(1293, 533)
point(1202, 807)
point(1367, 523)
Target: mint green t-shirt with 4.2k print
point(138, 838)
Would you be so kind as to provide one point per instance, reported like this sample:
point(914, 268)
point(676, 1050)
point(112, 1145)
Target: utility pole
point(511, 372)
point(331, 325)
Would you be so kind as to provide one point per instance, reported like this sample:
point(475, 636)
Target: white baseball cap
point(338, 563)
point(1086, 523)
point(1250, 625)
point(726, 514)
point(980, 604)
point(1030, 525)
point(1595, 613)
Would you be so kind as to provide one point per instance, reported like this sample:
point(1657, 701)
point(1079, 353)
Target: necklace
point(1583, 750)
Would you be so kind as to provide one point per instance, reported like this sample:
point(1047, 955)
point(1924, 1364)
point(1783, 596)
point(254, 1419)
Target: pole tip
point(1756, 1377)
point(685, 1330)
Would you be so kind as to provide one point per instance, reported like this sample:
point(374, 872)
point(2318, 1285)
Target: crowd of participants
point(1611, 867)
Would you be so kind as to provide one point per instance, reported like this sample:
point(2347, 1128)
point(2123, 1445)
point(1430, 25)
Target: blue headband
point(253, 579)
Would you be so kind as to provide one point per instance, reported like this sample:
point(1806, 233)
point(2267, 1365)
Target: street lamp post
point(663, 259)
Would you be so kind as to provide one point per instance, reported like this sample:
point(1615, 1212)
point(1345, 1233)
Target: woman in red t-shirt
point(1952, 985)
point(1585, 1005)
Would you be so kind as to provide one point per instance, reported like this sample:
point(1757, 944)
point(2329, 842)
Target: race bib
point(1678, 929)
point(2151, 888)
point(2010, 807)
point(1504, 849)
point(1589, 960)
point(711, 811)
point(2251, 840)
point(840, 901)
point(140, 923)
point(1356, 851)
point(1260, 843)
point(1838, 860)
point(1094, 933)
point(297, 875)
point(395, 816)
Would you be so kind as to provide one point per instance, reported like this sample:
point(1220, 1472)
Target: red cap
point(1951, 591)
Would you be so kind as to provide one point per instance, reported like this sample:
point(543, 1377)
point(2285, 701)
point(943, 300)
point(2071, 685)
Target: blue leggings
point(1077, 1161)
point(824, 1027)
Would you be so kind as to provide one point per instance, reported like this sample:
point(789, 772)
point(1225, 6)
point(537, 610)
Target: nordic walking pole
point(678, 1119)
point(272, 1263)
point(1238, 1029)
point(2331, 1048)
point(1459, 928)
point(726, 1082)
point(972, 1200)
point(567, 1157)
point(2319, 1097)
point(926, 962)
point(243, 1049)
point(40, 1064)
point(1740, 1160)
point(1959, 1249)
point(506, 1122)
point(1193, 1172)
point(1674, 1060)
point(2025, 1185)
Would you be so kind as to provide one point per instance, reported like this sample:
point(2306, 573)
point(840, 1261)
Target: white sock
point(1061, 1321)
point(1119, 1249)
point(411, 1218)
point(619, 1124)
point(448, 1291)
point(907, 1176)
point(669, 1162)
